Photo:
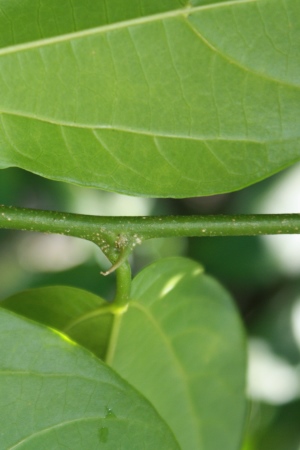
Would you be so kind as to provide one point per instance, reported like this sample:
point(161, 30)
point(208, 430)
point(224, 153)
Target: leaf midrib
point(179, 367)
point(153, 134)
point(116, 26)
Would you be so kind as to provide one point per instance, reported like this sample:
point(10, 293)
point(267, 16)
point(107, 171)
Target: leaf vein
point(124, 129)
point(237, 63)
point(115, 26)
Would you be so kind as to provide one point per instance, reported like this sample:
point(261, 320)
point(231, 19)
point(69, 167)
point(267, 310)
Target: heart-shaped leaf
point(153, 98)
point(54, 394)
point(180, 343)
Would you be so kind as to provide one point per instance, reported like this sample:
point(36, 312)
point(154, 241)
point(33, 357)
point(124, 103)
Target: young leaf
point(180, 343)
point(83, 316)
point(54, 394)
point(167, 99)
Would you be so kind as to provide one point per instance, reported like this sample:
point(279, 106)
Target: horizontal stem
point(102, 229)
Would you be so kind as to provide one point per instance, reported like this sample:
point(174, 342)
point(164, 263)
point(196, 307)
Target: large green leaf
point(161, 98)
point(55, 395)
point(180, 343)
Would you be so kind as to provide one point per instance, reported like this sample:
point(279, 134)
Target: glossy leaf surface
point(54, 394)
point(163, 98)
point(180, 343)
point(79, 314)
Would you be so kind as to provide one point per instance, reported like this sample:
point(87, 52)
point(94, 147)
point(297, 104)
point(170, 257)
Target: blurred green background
point(262, 273)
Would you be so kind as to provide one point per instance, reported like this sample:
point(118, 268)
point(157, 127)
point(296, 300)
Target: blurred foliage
point(274, 428)
point(266, 297)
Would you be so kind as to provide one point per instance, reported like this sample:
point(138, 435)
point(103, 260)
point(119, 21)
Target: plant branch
point(122, 232)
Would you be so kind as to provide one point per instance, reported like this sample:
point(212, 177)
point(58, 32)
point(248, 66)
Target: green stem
point(117, 236)
point(119, 307)
point(121, 299)
point(106, 230)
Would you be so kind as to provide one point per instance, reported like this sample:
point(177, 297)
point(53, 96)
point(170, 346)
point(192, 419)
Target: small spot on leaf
point(109, 414)
point(103, 434)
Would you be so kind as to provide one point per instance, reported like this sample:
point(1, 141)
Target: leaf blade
point(164, 115)
point(83, 316)
point(57, 394)
point(180, 343)
point(186, 353)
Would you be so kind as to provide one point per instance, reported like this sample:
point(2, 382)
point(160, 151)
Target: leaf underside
point(170, 99)
point(180, 343)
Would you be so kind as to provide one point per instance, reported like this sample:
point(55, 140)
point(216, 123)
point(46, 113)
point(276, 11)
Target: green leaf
point(54, 394)
point(81, 315)
point(180, 343)
point(162, 98)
